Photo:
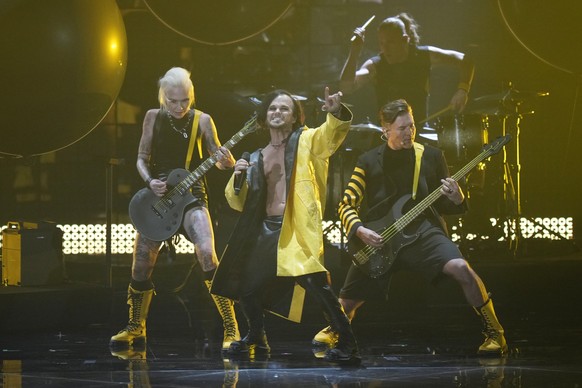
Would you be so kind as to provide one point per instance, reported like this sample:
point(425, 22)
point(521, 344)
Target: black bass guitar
point(159, 218)
point(377, 261)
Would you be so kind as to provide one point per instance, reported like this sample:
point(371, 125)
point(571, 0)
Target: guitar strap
point(194, 139)
point(418, 151)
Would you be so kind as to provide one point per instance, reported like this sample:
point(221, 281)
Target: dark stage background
point(301, 46)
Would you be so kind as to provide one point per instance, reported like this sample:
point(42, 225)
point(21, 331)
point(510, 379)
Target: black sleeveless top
point(170, 149)
point(408, 80)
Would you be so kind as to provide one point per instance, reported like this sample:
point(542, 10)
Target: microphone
point(238, 179)
point(364, 27)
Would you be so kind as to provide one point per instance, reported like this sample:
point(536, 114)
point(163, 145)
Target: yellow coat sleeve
point(236, 202)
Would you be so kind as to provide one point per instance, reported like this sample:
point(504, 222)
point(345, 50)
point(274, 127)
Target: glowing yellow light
point(113, 46)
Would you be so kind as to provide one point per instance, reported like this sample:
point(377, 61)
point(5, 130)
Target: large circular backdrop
point(218, 22)
point(62, 66)
point(550, 30)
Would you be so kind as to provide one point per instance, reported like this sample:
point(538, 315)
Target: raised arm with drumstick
point(402, 68)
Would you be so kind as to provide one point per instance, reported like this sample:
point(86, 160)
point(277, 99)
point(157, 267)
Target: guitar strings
point(399, 224)
point(185, 184)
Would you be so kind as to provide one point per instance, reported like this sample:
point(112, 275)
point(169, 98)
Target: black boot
point(345, 350)
point(255, 342)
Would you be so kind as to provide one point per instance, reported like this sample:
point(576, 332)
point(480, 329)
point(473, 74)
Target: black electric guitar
point(159, 218)
point(377, 261)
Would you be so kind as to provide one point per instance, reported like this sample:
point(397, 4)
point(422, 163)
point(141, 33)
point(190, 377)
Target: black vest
point(170, 149)
point(408, 80)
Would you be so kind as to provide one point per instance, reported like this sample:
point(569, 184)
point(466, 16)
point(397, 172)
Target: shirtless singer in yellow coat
point(276, 249)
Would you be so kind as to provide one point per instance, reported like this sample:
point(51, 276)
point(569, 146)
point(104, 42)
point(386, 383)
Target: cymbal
point(365, 127)
point(258, 98)
point(504, 103)
point(298, 97)
point(511, 95)
point(429, 136)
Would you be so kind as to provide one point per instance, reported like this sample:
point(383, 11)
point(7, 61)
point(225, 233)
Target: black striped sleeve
point(351, 201)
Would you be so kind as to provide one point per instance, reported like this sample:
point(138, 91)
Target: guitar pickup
point(156, 212)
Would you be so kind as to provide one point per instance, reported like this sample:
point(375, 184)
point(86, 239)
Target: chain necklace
point(283, 142)
point(182, 130)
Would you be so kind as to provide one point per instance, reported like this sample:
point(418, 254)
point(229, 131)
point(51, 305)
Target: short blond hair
point(176, 76)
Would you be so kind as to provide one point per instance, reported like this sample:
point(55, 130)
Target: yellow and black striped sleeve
point(351, 200)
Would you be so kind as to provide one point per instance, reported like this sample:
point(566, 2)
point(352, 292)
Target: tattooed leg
point(145, 255)
point(199, 229)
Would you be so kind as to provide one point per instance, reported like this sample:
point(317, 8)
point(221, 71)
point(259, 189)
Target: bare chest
point(274, 169)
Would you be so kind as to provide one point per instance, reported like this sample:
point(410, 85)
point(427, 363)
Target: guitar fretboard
point(203, 168)
point(402, 222)
point(194, 176)
point(407, 218)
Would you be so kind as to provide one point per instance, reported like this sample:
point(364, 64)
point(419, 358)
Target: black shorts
point(427, 255)
point(197, 203)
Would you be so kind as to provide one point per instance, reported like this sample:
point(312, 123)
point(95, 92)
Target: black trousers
point(261, 269)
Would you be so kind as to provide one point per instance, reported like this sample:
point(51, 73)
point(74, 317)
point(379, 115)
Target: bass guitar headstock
point(497, 145)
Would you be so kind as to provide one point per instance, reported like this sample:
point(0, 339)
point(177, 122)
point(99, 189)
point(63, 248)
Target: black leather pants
point(317, 285)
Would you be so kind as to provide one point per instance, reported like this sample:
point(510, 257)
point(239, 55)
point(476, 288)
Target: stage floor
point(427, 339)
point(81, 358)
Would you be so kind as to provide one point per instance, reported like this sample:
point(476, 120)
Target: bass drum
point(462, 137)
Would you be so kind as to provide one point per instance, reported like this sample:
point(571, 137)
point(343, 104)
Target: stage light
point(332, 231)
point(90, 239)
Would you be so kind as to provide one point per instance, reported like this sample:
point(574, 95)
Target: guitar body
point(159, 218)
point(375, 262)
point(393, 227)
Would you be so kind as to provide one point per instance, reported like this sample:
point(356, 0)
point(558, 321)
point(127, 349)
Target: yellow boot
point(135, 331)
point(495, 343)
point(225, 308)
point(325, 338)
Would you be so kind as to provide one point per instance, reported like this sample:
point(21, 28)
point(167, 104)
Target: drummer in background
point(402, 68)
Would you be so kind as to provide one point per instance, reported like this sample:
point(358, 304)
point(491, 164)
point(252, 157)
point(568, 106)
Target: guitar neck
point(402, 222)
point(203, 168)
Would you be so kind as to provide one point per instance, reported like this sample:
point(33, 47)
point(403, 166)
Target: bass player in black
point(381, 177)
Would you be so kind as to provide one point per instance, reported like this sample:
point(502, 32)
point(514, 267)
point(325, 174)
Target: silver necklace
point(181, 131)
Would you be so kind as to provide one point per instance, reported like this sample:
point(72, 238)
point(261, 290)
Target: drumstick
point(364, 26)
point(440, 112)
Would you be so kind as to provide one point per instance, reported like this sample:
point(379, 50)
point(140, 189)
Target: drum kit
point(493, 188)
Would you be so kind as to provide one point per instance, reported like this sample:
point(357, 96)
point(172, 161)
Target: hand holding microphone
point(240, 170)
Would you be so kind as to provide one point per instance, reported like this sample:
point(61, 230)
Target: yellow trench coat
point(300, 248)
